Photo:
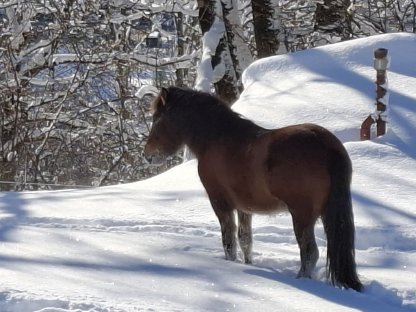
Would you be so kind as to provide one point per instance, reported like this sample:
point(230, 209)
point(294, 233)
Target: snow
point(155, 245)
point(206, 75)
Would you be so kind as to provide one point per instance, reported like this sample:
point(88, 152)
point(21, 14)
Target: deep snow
point(155, 245)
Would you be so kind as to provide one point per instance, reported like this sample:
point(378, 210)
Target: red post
point(379, 116)
point(365, 132)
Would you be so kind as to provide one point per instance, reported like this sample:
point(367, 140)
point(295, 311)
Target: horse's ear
point(163, 95)
point(159, 102)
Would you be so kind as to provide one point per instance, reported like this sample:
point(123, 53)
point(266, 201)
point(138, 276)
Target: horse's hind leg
point(245, 236)
point(309, 252)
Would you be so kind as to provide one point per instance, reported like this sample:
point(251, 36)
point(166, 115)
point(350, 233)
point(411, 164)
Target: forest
point(77, 76)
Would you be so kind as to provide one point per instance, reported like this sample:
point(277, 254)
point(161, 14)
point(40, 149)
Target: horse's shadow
point(11, 213)
point(365, 301)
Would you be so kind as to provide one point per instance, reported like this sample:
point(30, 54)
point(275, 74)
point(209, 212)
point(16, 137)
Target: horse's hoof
point(303, 275)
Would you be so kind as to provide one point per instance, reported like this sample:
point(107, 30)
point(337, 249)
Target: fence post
point(379, 117)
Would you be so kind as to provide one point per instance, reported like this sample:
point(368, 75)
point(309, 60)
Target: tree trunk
point(332, 17)
point(227, 88)
point(267, 43)
point(180, 72)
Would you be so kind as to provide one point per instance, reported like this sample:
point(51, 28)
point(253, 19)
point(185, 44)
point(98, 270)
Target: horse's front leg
point(245, 236)
point(225, 214)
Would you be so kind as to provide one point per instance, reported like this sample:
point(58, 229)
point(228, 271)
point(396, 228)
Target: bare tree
point(69, 113)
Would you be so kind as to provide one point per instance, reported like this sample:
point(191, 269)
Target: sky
point(155, 245)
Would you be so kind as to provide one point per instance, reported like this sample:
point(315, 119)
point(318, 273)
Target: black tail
point(339, 226)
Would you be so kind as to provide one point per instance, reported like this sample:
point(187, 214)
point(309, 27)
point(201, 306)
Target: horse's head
point(165, 136)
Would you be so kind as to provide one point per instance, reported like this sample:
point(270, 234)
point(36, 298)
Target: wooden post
point(379, 116)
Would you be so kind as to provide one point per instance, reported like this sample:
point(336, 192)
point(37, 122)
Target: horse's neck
point(230, 135)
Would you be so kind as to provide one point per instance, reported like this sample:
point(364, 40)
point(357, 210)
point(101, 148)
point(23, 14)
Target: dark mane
point(205, 117)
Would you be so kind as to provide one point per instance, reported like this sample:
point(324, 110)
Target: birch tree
point(218, 68)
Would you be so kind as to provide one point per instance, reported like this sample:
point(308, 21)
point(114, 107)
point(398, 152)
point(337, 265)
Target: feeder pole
point(379, 116)
point(380, 64)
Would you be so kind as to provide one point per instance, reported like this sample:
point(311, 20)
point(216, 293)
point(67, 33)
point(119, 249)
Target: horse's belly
point(262, 206)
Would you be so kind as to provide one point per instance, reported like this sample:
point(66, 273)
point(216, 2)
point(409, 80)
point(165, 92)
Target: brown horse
point(302, 168)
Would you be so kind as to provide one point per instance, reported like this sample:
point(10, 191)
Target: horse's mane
point(191, 98)
point(203, 106)
point(205, 117)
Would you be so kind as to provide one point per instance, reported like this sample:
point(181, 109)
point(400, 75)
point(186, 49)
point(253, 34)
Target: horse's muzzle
point(149, 152)
point(153, 155)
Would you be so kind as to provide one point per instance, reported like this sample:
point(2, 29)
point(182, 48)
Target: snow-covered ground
point(155, 245)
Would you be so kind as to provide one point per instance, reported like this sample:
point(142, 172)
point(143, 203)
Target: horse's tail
point(338, 220)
